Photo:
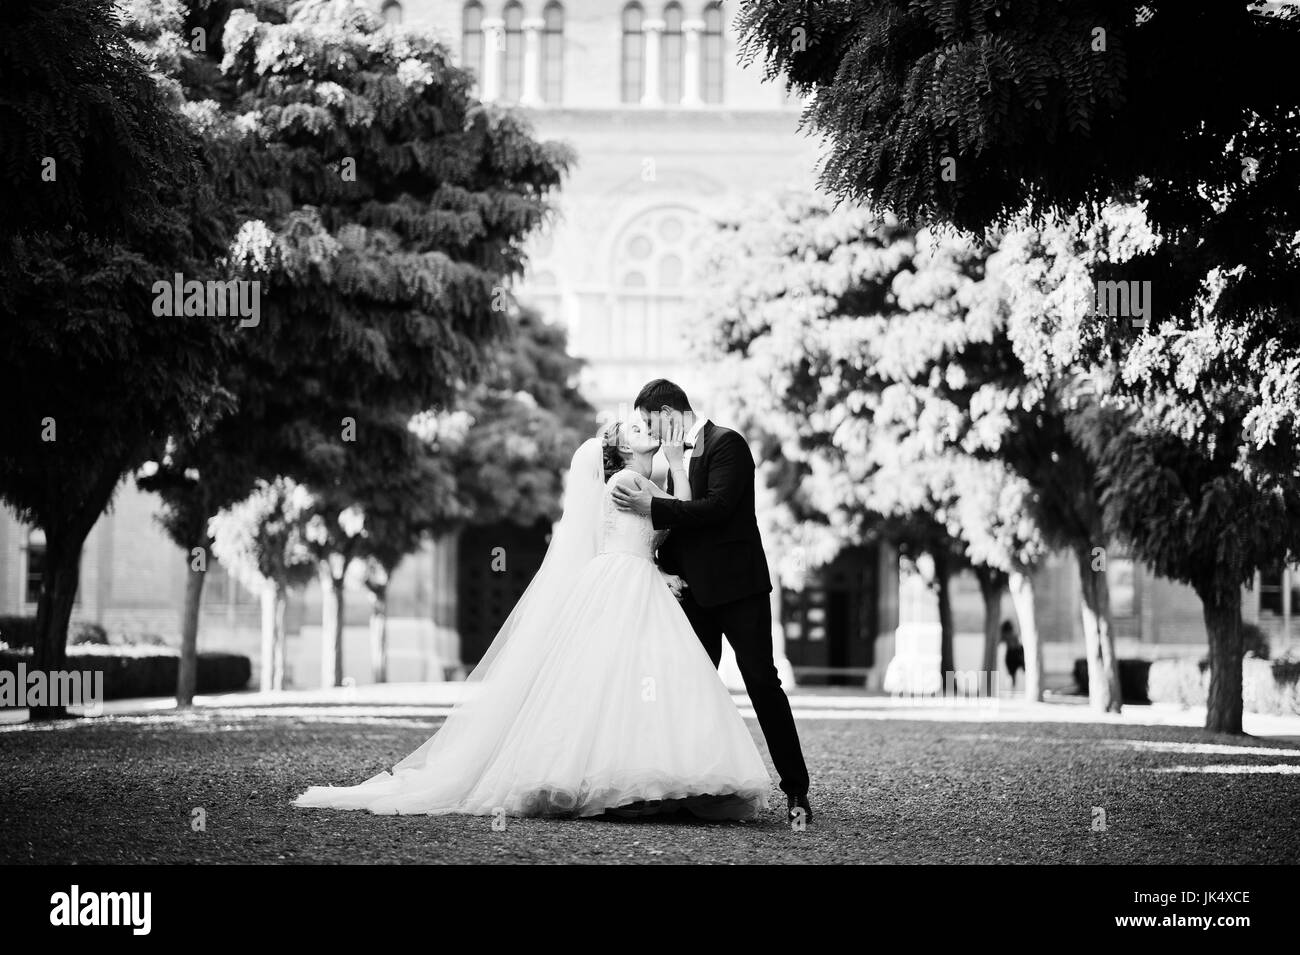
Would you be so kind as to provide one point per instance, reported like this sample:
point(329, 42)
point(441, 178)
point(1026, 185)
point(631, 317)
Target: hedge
point(146, 671)
point(18, 631)
point(1132, 679)
point(1267, 686)
point(21, 632)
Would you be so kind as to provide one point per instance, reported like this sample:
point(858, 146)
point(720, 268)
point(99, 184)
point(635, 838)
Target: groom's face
point(659, 421)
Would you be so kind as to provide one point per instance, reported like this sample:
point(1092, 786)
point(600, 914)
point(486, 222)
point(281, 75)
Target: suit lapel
point(696, 473)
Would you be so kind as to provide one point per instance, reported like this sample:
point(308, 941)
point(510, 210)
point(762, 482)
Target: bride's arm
point(674, 451)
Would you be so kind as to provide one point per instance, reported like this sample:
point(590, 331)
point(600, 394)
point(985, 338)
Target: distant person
point(1015, 659)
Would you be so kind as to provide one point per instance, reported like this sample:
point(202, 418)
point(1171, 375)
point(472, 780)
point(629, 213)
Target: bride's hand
point(675, 584)
point(674, 439)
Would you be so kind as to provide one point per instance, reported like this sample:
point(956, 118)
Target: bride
point(596, 695)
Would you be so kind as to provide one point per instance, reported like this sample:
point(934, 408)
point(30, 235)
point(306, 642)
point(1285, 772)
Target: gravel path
point(125, 789)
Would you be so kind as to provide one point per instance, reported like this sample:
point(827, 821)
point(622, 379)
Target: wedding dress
point(595, 696)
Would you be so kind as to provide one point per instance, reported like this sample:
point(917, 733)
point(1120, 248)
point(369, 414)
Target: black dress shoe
point(795, 804)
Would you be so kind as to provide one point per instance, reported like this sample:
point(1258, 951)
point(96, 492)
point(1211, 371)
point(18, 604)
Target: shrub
point(146, 671)
point(21, 632)
point(1185, 682)
point(88, 633)
point(1266, 686)
point(1271, 686)
point(137, 638)
point(18, 631)
point(1132, 679)
point(1254, 641)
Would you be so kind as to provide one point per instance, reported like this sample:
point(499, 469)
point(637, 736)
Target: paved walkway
point(893, 781)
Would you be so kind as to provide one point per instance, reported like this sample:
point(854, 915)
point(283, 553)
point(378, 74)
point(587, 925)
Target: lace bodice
point(623, 532)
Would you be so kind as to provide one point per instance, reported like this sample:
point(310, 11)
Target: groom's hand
point(636, 500)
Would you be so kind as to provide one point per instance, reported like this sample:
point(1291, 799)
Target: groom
point(715, 548)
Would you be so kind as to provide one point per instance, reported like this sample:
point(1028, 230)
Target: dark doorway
point(831, 624)
point(838, 635)
point(486, 591)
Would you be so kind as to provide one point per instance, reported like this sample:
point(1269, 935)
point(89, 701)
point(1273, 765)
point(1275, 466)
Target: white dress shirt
point(692, 437)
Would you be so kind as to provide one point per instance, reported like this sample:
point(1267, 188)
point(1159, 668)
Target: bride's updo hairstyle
point(611, 437)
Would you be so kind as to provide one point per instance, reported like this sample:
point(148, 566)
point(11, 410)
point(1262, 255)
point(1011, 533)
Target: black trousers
point(747, 624)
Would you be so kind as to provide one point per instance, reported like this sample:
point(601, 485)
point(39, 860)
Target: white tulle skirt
point(612, 705)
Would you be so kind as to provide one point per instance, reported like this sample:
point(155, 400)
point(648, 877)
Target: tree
point(343, 529)
point(972, 113)
point(497, 455)
point(880, 358)
point(1187, 486)
point(395, 207)
point(189, 501)
point(1201, 521)
point(376, 508)
point(995, 513)
point(965, 513)
point(503, 448)
point(960, 378)
point(413, 496)
point(104, 192)
point(383, 209)
point(519, 428)
point(269, 542)
point(967, 116)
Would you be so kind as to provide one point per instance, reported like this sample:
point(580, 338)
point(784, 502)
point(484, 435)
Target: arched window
point(652, 286)
point(513, 81)
point(471, 46)
point(552, 53)
point(391, 11)
point(671, 56)
point(711, 78)
point(633, 54)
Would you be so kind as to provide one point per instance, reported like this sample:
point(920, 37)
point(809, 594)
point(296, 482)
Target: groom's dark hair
point(662, 392)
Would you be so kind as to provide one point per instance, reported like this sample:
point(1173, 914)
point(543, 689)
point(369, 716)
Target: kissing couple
point(600, 693)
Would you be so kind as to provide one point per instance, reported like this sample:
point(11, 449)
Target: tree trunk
point(1021, 586)
point(379, 632)
point(1098, 639)
point(281, 604)
point(267, 679)
point(54, 610)
point(188, 675)
point(1223, 706)
point(942, 576)
point(275, 599)
point(992, 584)
point(331, 630)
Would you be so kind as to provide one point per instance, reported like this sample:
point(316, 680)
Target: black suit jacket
point(715, 545)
